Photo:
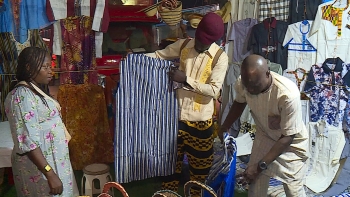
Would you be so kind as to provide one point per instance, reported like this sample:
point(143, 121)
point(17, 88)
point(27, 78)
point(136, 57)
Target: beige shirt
point(283, 99)
point(196, 102)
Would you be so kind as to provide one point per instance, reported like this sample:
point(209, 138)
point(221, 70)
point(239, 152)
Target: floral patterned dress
point(34, 124)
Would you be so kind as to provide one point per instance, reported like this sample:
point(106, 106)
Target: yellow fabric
point(196, 102)
point(84, 113)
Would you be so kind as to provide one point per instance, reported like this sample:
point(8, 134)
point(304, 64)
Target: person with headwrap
point(201, 83)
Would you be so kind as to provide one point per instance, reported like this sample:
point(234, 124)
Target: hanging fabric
point(147, 107)
point(78, 51)
point(9, 51)
point(91, 141)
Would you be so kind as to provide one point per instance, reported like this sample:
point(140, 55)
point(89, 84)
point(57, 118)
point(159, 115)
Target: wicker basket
point(171, 14)
point(110, 185)
point(166, 193)
point(202, 186)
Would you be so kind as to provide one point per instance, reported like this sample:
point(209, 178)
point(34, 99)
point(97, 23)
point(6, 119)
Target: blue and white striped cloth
point(146, 120)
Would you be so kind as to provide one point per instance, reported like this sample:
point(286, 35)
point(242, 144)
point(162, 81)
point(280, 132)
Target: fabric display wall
point(77, 38)
point(19, 24)
point(146, 106)
point(310, 41)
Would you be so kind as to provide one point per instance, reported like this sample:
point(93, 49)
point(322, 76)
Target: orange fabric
point(85, 116)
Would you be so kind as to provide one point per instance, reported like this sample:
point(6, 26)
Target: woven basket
point(170, 15)
point(190, 184)
point(110, 185)
point(166, 193)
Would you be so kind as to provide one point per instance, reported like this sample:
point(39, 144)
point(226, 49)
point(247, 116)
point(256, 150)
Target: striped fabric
point(274, 8)
point(147, 120)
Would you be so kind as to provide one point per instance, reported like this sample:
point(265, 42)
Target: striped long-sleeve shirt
point(146, 119)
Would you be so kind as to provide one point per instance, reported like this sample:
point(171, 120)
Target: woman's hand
point(55, 183)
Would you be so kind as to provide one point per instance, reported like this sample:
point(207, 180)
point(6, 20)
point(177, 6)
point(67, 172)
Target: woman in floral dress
point(40, 157)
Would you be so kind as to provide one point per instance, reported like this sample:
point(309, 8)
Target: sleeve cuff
point(190, 83)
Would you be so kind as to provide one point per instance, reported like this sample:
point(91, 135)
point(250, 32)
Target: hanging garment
point(301, 53)
point(147, 120)
point(20, 16)
point(9, 51)
point(326, 145)
point(273, 8)
point(85, 117)
point(300, 10)
point(242, 9)
point(266, 39)
point(78, 51)
point(325, 87)
point(298, 76)
point(239, 34)
point(341, 182)
point(98, 10)
point(332, 32)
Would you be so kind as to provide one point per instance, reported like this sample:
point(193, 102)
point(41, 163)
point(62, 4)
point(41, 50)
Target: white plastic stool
point(93, 172)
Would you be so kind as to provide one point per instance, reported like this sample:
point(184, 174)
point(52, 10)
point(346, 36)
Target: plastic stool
point(92, 173)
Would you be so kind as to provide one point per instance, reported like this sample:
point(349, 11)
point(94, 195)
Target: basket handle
point(197, 184)
point(110, 185)
point(163, 193)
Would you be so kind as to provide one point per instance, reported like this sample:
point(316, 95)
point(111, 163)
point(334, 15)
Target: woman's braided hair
point(30, 61)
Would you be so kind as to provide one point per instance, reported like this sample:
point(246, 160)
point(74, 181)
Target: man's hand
point(274, 122)
point(221, 133)
point(252, 172)
point(177, 75)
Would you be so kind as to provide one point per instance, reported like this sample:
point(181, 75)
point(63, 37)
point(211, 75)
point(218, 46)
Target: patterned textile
point(324, 87)
point(222, 174)
point(33, 124)
point(196, 140)
point(18, 16)
point(147, 107)
point(78, 51)
point(334, 15)
point(9, 50)
point(274, 8)
point(85, 117)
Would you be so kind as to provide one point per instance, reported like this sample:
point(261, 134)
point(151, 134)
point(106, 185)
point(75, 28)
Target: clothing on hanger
point(273, 8)
point(266, 39)
point(300, 10)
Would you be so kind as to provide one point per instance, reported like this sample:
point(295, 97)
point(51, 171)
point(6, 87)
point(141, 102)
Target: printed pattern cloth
point(334, 15)
point(328, 95)
point(33, 125)
point(18, 16)
point(9, 51)
point(147, 107)
point(78, 51)
point(85, 113)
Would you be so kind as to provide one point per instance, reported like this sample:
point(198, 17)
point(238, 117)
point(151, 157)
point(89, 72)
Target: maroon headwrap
point(210, 29)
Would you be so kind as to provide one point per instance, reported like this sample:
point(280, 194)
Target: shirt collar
point(268, 24)
point(210, 52)
point(336, 61)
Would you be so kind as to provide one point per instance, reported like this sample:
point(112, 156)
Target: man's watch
point(262, 165)
point(47, 168)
